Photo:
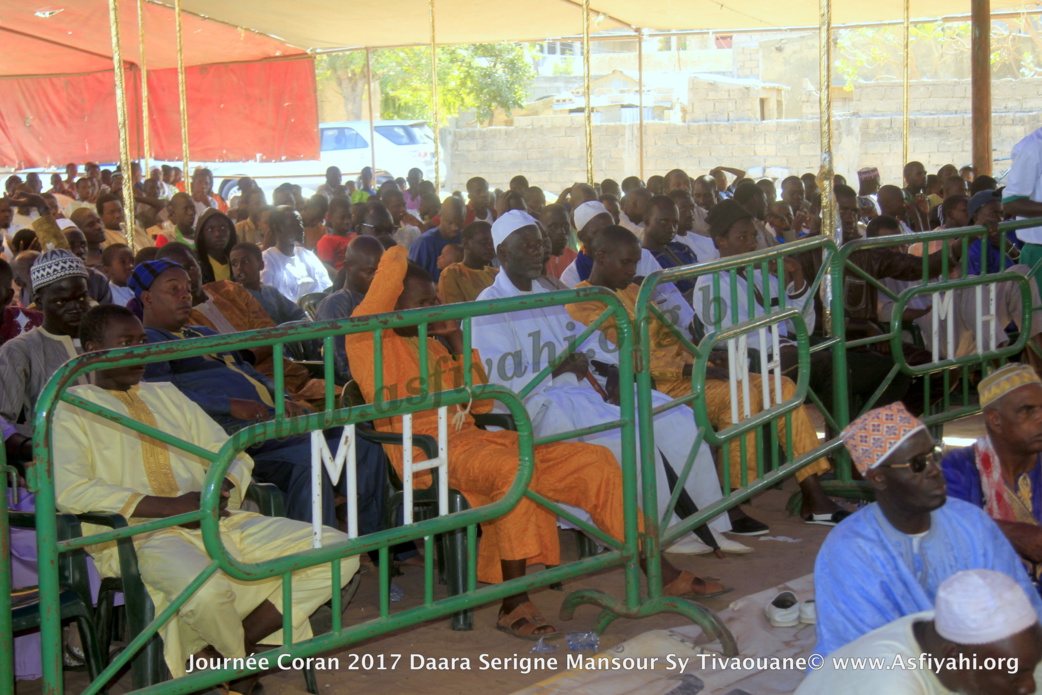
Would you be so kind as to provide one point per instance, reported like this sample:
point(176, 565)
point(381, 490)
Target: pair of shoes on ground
point(786, 610)
point(692, 545)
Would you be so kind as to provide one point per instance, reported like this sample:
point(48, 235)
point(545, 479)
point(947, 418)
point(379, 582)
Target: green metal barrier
point(6, 636)
point(634, 345)
point(951, 375)
point(623, 553)
point(655, 518)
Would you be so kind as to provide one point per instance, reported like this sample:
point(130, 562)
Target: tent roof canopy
point(57, 37)
point(329, 24)
point(53, 37)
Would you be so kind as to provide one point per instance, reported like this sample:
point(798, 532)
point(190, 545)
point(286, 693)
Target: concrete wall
point(721, 101)
point(866, 132)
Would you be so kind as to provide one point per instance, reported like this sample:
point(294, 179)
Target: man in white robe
point(288, 266)
point(516, 346)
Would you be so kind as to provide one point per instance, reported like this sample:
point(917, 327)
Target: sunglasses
point(918, 464)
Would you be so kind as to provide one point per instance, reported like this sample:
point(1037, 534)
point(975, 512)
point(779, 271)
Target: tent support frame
point(183, 96)
point(828, 219)
point(121, 122)
point(980, 89)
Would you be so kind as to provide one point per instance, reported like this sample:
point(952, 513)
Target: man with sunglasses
point(887, 560)
point(1002, 472)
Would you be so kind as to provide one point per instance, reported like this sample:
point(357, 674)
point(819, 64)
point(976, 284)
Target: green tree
point(479, 77)
point(936, 48)
point(347, 71)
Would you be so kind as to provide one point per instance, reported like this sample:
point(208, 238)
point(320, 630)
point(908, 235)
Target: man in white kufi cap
point(982, 638)
point(583, 390)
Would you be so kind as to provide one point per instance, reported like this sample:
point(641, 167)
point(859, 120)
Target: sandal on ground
point(524, 621)
point(688, 585)
point(828, 518)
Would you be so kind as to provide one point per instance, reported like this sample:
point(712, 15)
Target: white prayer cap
point(980, 607)
point(508, 223)
point(587, 211)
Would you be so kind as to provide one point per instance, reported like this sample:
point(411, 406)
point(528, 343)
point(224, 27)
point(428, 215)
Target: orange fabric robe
point(558, 264)
point(243, 312)
point(482, 465)
point(458, 283)
point(668, 358)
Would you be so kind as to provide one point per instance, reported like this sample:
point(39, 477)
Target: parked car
point(400, 146)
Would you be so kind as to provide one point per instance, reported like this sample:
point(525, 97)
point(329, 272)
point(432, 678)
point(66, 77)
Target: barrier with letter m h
point(623, 552)
point(945, 325)
point(761, 403)
point(748, 415)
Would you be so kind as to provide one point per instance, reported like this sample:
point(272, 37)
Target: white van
point(400, 145)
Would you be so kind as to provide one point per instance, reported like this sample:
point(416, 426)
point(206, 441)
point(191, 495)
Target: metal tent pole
point(369, 98)
point(640, 87)
point(905, 103)
point(183, 97)
point(980, 74)
point(434, 99)
point(146, 138)
point(121, 123)
point(587, 112)
point(828, 219)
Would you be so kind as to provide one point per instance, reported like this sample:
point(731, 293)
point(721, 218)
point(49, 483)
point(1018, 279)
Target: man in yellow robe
point(483, 465)
point(616, 252)
point(464, 281)
point(102, 467)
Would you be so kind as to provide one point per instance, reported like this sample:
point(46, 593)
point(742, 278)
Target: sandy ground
point(771, 562)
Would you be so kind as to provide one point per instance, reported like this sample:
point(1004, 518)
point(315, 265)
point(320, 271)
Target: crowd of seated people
point(201, 265)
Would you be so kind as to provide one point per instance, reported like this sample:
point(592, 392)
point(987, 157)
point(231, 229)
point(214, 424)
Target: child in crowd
point(453, 253)
point(330, 248)
point(430, 206)
point(247, 263)
point(118, 263)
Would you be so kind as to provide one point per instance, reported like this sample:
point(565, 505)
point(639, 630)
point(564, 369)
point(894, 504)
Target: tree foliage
point(870, 53)
point(479, 78)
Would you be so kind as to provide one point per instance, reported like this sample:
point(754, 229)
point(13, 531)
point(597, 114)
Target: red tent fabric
point(73, 36)
point(250, 96)
point(265, 111)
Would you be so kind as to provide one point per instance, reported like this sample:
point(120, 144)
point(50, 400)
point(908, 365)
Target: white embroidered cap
point(587, 211)
point(55, 265)
point(980, 607)
point(508, 223)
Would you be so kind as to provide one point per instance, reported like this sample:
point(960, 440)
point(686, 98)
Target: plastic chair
point(74, 597)
point(452, 546)
point(307, 352)
point(148, 667)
